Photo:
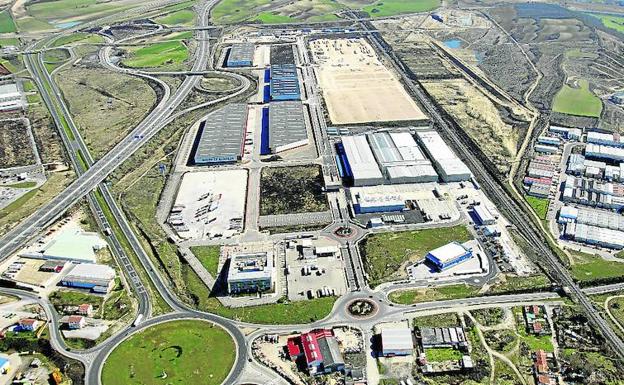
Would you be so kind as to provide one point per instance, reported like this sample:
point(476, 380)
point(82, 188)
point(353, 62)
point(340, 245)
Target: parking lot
point(314, 277)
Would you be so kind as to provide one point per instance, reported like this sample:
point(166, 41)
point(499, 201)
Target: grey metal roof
point(242, 52)
point(286, 124)
point(223, 133)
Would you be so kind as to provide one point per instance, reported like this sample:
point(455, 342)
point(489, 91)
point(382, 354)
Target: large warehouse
point(241, 55)
point(593, 235)
point(221, 136)
point(449, 166)
point(287, 128)
point(97, 278)
point(10, 97)
point(361, 161)
point(400, 158)
point(604, 152)
point(606, 139)
point(285, 82)
point(449, 255)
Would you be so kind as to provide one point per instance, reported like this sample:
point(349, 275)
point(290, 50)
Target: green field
point(587, 267)
point(178, 352)
point(6, 22)
point(78, 37)
point(386, 254)
point(54, 12)
point(157, 54)
point(539, 205)
point(22, 185)
point(443, 354)
point(577, 101)
point(532, 341)
point(613, 22)
point(181, 17)
point(441, 293)
point(209, 257)
point(236, 11)
point(386, 8)
point(273, 18)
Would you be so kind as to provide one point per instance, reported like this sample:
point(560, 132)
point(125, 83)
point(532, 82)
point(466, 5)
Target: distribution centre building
point(287, 127)
point(222, 136)
point(449, 166)
point(400, 158)
point(241, 55)
point(600, 151)
point(285, 82)
point(361, 161)
point(449, 255)
point(593, 235)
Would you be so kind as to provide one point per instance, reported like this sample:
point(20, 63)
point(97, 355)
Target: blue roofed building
point(449, 255)
point(285, 82)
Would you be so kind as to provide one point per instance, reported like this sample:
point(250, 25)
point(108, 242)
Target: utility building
point(222, 135)
point(449, 166)
point(241, 55)
point(250, 273)
point(287, 128)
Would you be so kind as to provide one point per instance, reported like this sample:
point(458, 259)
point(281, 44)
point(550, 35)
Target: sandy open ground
point(357, 87)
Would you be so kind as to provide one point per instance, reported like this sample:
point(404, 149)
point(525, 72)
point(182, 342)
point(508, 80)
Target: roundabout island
point(171, 353)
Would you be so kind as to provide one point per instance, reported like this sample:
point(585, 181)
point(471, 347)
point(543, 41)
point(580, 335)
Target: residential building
point(28, 324)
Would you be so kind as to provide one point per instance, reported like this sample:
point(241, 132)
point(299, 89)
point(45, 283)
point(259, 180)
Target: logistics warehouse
point(221, 136)
point(395, 157)
point(449, 255)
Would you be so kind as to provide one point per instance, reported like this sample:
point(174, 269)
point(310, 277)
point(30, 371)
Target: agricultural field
point(387, 255)
point(292, 190)
point(105, 105)
point(181, 17)
point(385, 8)
point(172, 349)
point(16, 149)
point(7, 25)
point(577, 99)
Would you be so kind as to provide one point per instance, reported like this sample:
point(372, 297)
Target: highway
point(550, 262)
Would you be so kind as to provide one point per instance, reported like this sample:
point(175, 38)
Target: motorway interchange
point(91, 183)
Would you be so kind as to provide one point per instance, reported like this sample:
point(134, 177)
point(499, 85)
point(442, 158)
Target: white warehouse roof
point(91, 271)
point(361, 159)
point(450, 167)
point(397, 339)
point(448, 252)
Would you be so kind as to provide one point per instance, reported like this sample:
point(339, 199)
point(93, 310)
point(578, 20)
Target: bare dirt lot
point(357, 87)
point(16, 149)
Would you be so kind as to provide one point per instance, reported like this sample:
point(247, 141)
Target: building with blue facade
point(449, 255)
point(221, 136)
point(285, 82)
point(91, 276)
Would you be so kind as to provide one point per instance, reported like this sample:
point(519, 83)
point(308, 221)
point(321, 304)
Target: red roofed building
point(85, 309)
point(320, 350)
point(544, 379)
point(541, 362)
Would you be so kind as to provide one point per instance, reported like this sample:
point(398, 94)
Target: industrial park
point(350, 192)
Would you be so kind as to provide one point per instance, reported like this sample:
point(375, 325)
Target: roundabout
point(362, 308)
point(170, 352)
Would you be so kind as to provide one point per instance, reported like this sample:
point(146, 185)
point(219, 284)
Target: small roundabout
point(172, 352)
point(362, 308)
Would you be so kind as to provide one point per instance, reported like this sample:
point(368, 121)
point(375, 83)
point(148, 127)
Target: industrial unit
point(250, 273)
point(606, 139)
point(593, 235)
point(286, 127)
point(10, 97)
point(566, 133)
point(449, 255)
point(591, 192)
point(241, 55)
point(450, 337)
point(600, 151)
point(319, 349)
point(284, 82)
point(397, 342)
point(221, 136)
point(400, 158)
point(377, 203)
point(591, 217)
point(449, 166)
point(483, 215)
point(97, 278)
point(361, 161)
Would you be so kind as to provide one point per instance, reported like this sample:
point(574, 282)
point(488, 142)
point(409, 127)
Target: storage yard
point(357, 87)
point(210, 204)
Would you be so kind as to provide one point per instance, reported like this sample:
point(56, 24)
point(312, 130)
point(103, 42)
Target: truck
point(138, 320)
